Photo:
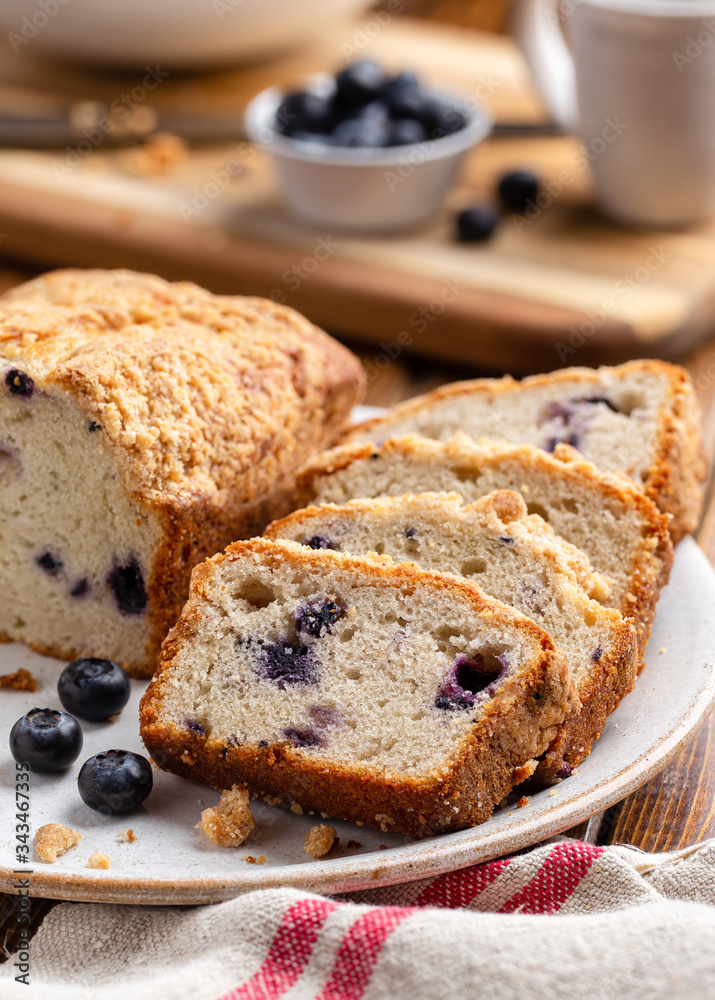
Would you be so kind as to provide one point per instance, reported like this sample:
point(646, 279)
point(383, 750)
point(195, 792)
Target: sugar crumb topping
point(230, 821)
point(98, 860)
point(53, 839)
point(319, 840)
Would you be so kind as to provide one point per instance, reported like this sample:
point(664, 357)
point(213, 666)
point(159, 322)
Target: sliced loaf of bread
point(639, 419)
point(384, 694)
point(143, 426)
point(607, 517)
point(513, 556)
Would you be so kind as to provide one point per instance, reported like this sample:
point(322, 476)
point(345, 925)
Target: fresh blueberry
point(115, 781)
point(409, 101)
point(51, 563)
point(305, 112)
point(19, 383)
point(359, 83)
point(286, 662)
point(93, 689)
point(440, 116)
point(318, 619)
point(360, 133)
point(395, 89)
point(46, 739)
point(477, 223)
point(406, 131)
point(127, 585)
point(518, 190)
point(317, 542)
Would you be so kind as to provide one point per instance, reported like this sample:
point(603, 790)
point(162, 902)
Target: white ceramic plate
point(171, 862)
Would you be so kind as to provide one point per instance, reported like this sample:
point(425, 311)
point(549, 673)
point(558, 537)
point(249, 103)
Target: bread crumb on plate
point(98, 860)
point(230, 821)
point(319, 840)
point(21, 680)
point(54, 839)
point(126, 836)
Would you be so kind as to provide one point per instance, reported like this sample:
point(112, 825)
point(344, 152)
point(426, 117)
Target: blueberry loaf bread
point(143, 426)
point(512, 556)
point(379, 693)
point(639, 419)
point(622, 533)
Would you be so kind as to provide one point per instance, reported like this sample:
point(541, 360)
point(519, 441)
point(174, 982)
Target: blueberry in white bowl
point(115, 781)
point(365, 151)
point(46, 739)
point(362, 107)
point(93, 689)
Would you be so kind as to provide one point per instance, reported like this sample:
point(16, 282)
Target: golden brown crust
point(651, 561)
point(517, 724)
point(676, 477)
point(208, 404)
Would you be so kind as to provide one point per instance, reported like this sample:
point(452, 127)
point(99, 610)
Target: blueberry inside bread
point(384, 694)
point(514, 557)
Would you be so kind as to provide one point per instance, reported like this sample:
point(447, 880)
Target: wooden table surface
point(675, 809)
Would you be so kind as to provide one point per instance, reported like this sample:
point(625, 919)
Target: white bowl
point(363, 190)
point(175, 33)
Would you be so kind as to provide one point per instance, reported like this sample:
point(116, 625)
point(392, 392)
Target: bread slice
point(384, 694)
point(143, 426)
point(640, 419)
point(512, 556)
point(607, 517)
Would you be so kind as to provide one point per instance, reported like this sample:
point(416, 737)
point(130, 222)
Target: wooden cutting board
point(564, 287)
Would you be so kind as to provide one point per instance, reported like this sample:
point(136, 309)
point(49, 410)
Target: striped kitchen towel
point(565, 921)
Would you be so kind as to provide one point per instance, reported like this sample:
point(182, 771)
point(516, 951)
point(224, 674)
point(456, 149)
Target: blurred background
point(124, 143)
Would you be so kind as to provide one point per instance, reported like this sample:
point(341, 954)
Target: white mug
point(636, 80)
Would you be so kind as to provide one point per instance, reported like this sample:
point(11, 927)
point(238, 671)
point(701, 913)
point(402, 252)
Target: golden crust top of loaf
point(192, 390)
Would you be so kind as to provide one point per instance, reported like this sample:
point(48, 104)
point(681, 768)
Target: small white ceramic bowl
point(363, 190)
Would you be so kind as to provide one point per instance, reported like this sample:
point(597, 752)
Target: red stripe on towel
point(359, 952)
point(457, 889)
point(289, 953)
point(557, 878)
